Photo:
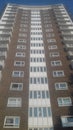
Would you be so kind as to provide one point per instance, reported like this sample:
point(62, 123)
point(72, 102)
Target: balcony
point(6, 25)
point(11, 19)
point(64, 23)
point(68, 39)
point(4, 47)
point(59, 12)
point(8, 20)
point(3, 55)
point(66, 27)
point(1, 64)
point(67, 33)
point(63, 19)
point(61, 16)
point(5, 34)
point(4, 39)
point(69, 47)
point(70, 54)
point(0, 75)
point(5, 28)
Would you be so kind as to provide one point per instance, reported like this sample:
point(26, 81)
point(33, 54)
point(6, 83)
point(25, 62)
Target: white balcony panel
point(70, 54)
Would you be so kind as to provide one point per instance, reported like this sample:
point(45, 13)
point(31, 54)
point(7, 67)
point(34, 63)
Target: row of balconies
point(6, 27)
point(66, 29)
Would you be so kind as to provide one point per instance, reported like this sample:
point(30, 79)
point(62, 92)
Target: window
point(58, 73)
point(20, 54)
point(41, 128)
point(56, 63)
point(50, 35)
point(21, 47)
point(38, 80)
point(18, 74)
point(16, 86)
point(19, 63)
point(39, 94)
point(54, 54)
point(52, 47)
point(22, 40)
point(11, 122)
point(37, 51)
point(51, 40)
point(14, 102)
point(37, 69)
point(67, 121)
point(40, 112)
point(49, 30)
point(61, 86)
point(37, 59)
point(22, 35)
point(64, 101)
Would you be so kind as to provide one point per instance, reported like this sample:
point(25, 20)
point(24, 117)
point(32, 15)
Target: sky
point(68, 3)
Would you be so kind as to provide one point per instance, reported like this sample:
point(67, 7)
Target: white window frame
point(18, 88)
point(58, 73)
point(11, 125)
point(62, 103)
point(22, 40)
point(56, 63)
point(18, 74)
point(52, 47)
point(21, 47)
point(20, 54)
point(65, 122)
point(61, 86)
point(54, 54)
point(19, 63)
point(14, 102)
point(51, 40)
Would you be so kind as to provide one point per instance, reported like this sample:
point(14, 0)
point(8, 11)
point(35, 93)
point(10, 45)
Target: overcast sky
point(67, 3)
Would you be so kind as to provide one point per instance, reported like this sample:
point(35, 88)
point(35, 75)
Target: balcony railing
point(70, 54)
point(1, 64)
point(72, 64)
point(4, 47)
point(65, 23)
point(3, 55)
point(4, 39)
point(0, 75)
point(67, 33)
point(69, 47)
point(66, 27)
point(68, 38)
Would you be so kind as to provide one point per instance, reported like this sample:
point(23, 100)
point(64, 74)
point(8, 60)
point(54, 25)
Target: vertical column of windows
point(39, 99)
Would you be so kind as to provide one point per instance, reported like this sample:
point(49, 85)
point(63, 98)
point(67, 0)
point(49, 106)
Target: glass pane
point(35, 112)
point(30, 112)
point(16, 120)
point(70, 119)
point(49, 111)
point(40, 112)
point(38, 94)
point(47, 94)
point(44, 112)
point(10, 120)
point(30, 94)
point(43, 94)
point(35, 94)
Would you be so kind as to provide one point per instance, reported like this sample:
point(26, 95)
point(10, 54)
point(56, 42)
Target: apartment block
point(36, 68)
